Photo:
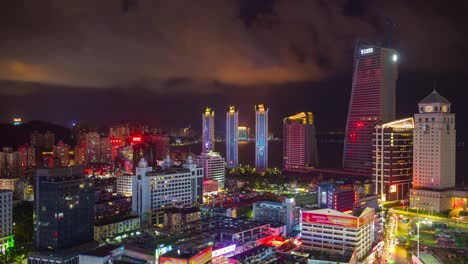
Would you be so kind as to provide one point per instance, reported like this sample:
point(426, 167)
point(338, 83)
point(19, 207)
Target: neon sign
point(367, 51)
point(223, 251)
point(136, 139)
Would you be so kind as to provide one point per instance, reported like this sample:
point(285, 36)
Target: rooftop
point(103, 251)
point(434, 97)
point(114, 219)
point(332, 257)
point(253, 251)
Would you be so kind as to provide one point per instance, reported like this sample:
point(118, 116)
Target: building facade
point(299, 142)
point(117, 226)
point(340, 197)
point(155, 191)
point(232, 137)
point(334, 231)
point(372, 102)
point(6, 221)
point(434, 155)
point(285, 213)
point(64, 205)
point(124, 184)
point(93, 147)
point(261, 137)
point(208, 135)
point(213, 167)
point(61, 151)
point(393, 159)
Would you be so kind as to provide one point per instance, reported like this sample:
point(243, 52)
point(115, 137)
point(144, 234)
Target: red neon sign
point(136, 139)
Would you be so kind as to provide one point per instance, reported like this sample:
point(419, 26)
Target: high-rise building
point(80, 154)
point(121, 132)
point(42, 140)
point(434, 157)
point(27, 156)
point(64, 205)
point(434, 144)
point(300, 142)
point(124, 184)
point(62, 151)
point(213, 167)
point(151, 147)
point(393, 159)
point(6, 220)
point(232, 137)
point(208, 135)
point(155, 191)
point(244, 133)
point(10, 163)
point(372, 102)
point(93, 147)
point(106, 150)
point(261, 137)
point(334, 231)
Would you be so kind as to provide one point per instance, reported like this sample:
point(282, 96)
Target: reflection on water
point(330, 155)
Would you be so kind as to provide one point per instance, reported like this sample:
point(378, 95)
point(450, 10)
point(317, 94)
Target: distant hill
point(14, 136)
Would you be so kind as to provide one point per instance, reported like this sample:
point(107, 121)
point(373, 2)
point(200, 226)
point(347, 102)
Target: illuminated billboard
point(329, 220)
point(136, 139)
point(393, 188)
point(203, 257)
point(223, 251)
point(364, 219)
point(166, 260)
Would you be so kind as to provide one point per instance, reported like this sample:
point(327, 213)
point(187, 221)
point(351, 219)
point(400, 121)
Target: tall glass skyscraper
point(208, 130)
point(299, 142)
point(232, 137)
point(261, 137)
point(372, 102)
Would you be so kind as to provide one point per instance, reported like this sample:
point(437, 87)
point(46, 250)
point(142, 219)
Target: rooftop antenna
point(389, 26)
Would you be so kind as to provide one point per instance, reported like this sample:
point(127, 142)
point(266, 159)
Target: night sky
point(162, 61)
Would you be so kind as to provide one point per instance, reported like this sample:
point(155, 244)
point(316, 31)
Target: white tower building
point(434, 144)
point(155, 191)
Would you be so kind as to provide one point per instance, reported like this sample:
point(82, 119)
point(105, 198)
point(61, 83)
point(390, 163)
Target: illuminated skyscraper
point(299, 143)
point(393, 159)
point(372, 103)
point(232, 137)
point(208, 130)
point(261, 137)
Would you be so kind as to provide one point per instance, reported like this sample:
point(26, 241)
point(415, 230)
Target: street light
point(417, 224)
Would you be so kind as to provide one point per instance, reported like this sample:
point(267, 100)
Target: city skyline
point(335, 136)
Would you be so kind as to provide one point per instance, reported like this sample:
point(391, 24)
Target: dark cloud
point(178, 46)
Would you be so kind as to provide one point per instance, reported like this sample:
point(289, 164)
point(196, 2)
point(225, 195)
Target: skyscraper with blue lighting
point(232, 137)
point(261, 137)
point(208, 130)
